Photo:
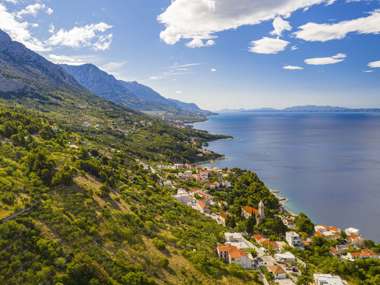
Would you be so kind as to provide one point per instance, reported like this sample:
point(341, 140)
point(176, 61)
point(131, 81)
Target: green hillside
point(93, 215)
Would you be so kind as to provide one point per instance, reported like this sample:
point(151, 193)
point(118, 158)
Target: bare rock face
point(21, 66)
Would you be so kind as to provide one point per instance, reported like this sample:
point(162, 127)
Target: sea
point(326, 164)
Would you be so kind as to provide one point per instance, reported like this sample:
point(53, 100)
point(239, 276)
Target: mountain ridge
point(132, 94)
point(306, 108)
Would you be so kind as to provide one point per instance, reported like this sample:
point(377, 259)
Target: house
point(184, 197)
point(355, 240)
point(277, 271)
point(288, 221)
point(214, 185)
point(294, 240)
point(352, 231)
point(231, 254)
point(339, 250)
point(185, 175)
point(259, 214)
point(203, 175)
point(354, 237)
point(286, 257)
point(269, 244)
point(248, 211)
point(328, 232)
point(201, 206)
point(237, 240)
point(327, 279)
point(362, 254)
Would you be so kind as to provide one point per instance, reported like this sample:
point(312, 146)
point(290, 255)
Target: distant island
point(308, 108)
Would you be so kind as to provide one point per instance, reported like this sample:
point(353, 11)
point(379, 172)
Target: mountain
point(22, 69)
point(313, 108)
point(308, 108)
point(29, 80)
point(132, 94)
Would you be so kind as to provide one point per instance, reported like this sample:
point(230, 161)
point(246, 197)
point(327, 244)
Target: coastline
point(232, 157)
point(284, 201)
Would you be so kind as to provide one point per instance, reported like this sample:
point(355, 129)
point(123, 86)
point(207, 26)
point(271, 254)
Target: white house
point(184, 197)
point(327, 279)
point(237, 240)
point(294, 240)
point(286, 257)
point(352, 231)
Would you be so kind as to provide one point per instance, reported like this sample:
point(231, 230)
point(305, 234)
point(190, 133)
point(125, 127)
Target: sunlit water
point(326, 164)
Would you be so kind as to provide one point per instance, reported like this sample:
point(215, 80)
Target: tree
point(44, 167)
point(251, 223)
point(137, 278)
point(304, 224)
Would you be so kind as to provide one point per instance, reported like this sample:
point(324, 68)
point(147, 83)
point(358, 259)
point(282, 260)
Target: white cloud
point(116, 68)
point(292, 67)
point(374, 64)
point(19, 30)
point(201, 19)
point(368, 71)
point(279, 26)
point(33, 10)
point(91, 35)
point(268, 46)
point(197, 43)
point(213, 69)
point(178, 92)
point(69, 59)
point(51, 29)
point(176, 70)
point(326, 60)
point(327, 32)
point(49, 11)
point(11, 1)
point(104, 42)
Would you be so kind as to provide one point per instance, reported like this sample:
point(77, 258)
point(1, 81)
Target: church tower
point(260, 213)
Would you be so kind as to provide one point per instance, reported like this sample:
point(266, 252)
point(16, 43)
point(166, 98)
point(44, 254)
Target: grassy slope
point(114, 223)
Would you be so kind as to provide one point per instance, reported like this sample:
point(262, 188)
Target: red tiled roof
point(250, 210)
point(258, 237)
point(202, 204)
point(275, 269)
point(233, 251)
point(363, 253)
point(354, 237)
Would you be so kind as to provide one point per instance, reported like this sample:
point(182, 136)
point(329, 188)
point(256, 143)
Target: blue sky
point(216, 53)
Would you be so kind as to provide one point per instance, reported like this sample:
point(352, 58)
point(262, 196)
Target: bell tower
point(261, 213)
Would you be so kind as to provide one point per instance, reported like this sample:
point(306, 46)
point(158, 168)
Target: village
point(277, 261)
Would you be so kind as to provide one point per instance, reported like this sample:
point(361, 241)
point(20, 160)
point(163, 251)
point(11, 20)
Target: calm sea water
point(326, 164)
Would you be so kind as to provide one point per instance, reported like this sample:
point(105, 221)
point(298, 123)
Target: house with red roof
point(248, 211)
point(277, 272)
point(362, 254)
point(328, 232)
point(233, 255)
